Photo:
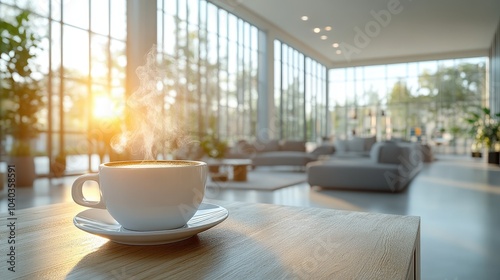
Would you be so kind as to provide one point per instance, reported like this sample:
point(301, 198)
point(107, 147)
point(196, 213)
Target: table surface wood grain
point(256, 241)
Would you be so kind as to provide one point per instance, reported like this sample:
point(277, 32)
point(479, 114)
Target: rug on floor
point(263, 181)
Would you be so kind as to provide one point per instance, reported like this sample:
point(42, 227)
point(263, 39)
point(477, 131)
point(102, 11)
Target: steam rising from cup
point(154, 129)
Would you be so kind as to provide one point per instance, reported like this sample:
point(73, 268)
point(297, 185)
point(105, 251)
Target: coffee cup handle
point(77, 192)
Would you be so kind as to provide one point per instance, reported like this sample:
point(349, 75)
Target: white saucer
point(100, 222)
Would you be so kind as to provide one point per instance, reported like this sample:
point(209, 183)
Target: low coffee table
point(239, 166)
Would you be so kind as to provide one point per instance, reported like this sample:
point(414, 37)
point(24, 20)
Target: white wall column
point(265, 115)
point(141, 36)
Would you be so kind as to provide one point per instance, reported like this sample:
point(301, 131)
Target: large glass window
point(300, 95)
point(420, 101)
point(82, 62)
point(213, 73)
point(316, 100)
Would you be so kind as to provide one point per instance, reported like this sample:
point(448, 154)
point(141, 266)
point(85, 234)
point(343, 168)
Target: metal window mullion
point(241, 105)
point(304, 95)
point(161, 51)
point(250, 96)
point(209, 96)
point(218, 70)
point(89, 88)
point(61, 81)
point(110, 61)
point(49, 91)
point(227, 74)
point(327, 123)
point(237, 93)
point(243, 115)
point(282, 92)
point(186, 61)
point(198, 75)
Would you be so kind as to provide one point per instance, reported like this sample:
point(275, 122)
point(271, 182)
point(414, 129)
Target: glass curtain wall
point(82, 67)
point(300, 95)
point(212, 83)
point(420, 101)
point(316, 101)
point(212, 59)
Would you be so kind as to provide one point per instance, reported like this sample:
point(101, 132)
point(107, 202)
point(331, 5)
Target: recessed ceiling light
point(304, 18)
point(338, 52)
point(335, 45)
point(316, 30)
point(324, 37)
point(328, 28)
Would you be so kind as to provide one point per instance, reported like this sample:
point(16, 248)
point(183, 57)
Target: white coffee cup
point(147, 195)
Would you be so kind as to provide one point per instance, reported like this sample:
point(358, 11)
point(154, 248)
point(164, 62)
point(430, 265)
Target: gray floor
point(457, 198)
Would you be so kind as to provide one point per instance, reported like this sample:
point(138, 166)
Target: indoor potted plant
point(20, 91)
point(58, 165)
point(213, 146)
point(216, 149)
point(485, 129)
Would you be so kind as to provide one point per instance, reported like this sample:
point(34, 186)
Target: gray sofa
point(263, 153)
point(355, 147)
point(290, 153)
point(390, 167)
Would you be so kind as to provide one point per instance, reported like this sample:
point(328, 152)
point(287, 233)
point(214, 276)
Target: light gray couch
point(355, 147)
point(290, 153)
point(390, 167)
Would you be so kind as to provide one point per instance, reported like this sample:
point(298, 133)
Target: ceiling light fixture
point(328, 28)
point(324, 37)
point(304, 18)
point(338, 52)
point(316, 30)
point(335, 45)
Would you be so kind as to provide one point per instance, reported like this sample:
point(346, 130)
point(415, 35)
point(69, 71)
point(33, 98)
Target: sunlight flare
point(105, 108)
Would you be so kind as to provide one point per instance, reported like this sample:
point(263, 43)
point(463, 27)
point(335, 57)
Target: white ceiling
point(416, 30)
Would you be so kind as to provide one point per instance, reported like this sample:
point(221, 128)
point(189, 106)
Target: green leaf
point(25, 94)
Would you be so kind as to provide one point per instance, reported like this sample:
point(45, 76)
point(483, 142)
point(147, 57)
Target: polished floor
point(457, 198)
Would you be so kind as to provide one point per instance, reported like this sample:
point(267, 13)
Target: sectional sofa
point(289, 153)
point(263, 153)
point(390, 166)
point(355, 147)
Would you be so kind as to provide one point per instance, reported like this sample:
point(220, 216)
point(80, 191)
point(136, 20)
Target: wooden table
point(257, 241)
point(239, 167)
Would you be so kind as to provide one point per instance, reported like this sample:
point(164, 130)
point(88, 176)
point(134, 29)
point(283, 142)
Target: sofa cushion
point(356, 144)
point(323, 150)
point(377, 148)
point(291, 158)
point(368, 142)
point(295, 146)
point(267, 146)
point(392, 153)
point(341, 146)
point(241, 149)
